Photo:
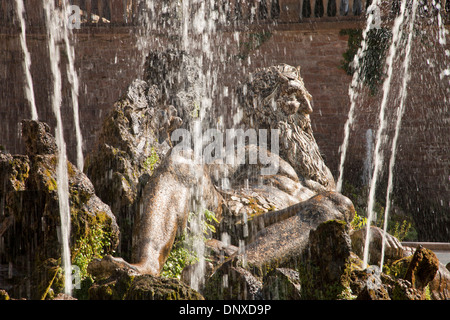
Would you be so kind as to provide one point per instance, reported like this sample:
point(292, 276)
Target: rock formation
point(30, 221)
point(132, 140)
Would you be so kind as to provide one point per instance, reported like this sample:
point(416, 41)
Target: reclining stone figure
point(273, 98)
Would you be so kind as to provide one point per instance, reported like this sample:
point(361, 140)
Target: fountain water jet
point(382, 122)
point(400, 112)
point(403, 33)
point(74, 83)
point(353, 89)
point(202, 25)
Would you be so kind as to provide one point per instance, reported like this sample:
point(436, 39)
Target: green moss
point(45, 167)
point(182, 253)
point(398, 268)
point(372, 62)
point(51, 281)
point(313, 286)
point(151, 161)
point(256, 209)
point(4, 295)
point(254, 41)
point(20, 171)
point(93, 239)
point(71, 170)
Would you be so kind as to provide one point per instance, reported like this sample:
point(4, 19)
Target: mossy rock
point(29, 193)
point(124, 286)
point(4, 295)
point(147, 287)
point(422, 269)
point(14, 172)
point(419, 269)
point(231, 281)
point(282, 284)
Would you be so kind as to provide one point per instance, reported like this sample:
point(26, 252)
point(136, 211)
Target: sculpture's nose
point(309, 106)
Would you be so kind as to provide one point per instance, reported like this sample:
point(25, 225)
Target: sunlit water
point(400, 111)
point(403, 34)
point(355, 88)
point(54, 24)
point(382, 123)
point(29, 90)
point(74, 84)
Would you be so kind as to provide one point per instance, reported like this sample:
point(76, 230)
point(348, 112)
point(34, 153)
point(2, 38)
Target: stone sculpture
point(292, 224)
point(276, 98)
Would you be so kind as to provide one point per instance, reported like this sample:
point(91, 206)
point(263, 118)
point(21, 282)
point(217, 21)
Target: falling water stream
point(74, 84)
point(400, 111)
point(29, 91)
point(57, 30)
point(197, 27)
point(402, 41)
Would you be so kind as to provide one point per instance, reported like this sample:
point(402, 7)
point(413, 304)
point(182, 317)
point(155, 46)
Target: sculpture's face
point(282, 89)
point(293, 98)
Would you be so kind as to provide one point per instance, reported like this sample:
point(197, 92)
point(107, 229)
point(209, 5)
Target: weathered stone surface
point(216, 252)
point(231, 281)
point(276, 98)
point(393, 248)
point(440, 285)
point(328, 263)
point(166, 202)
point(37, 138)
point(133, 139)
point(281, 243)
point(329, 249)
point(248, 193)
point(414, 273)
point(123, 285)
point(422, 268)
point(30, 212)
point(176, 74)
point(282, 284)
point(373, 288)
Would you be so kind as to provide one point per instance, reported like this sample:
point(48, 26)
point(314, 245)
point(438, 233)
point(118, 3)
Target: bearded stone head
point(275, 93)
point(276, 98)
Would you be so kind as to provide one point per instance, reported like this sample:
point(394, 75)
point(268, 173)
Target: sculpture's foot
point(104, 268)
